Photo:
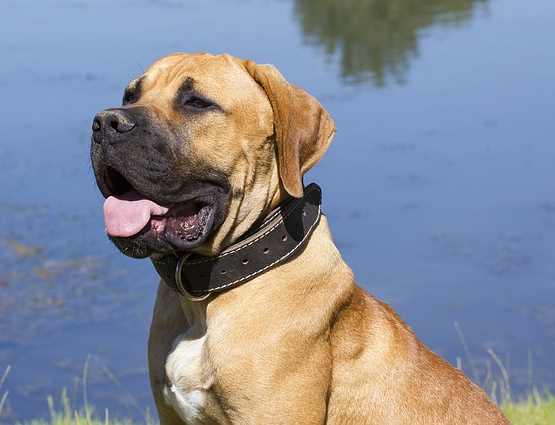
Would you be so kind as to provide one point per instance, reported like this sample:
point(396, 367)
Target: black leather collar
point(280, 237)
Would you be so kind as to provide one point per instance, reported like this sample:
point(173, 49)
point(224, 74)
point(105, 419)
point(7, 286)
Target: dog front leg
point(290, 387)
point(168, 321)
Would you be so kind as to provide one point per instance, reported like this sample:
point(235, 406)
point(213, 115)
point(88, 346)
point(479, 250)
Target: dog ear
point(303, 128)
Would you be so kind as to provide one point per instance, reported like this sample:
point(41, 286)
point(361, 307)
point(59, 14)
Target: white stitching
point(270, 265)
point(207, 260)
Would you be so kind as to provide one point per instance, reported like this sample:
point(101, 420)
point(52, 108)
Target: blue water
point(439, 186)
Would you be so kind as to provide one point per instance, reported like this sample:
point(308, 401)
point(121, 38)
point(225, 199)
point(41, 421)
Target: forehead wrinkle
point(176, 72)
point(221, 81)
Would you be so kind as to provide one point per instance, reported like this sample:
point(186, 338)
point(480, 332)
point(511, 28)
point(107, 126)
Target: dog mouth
point(129, 214)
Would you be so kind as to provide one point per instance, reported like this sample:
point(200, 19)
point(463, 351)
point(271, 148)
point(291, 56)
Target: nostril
point(121, 123)
point(126, 125)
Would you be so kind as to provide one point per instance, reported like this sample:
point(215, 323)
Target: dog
point(203, 164)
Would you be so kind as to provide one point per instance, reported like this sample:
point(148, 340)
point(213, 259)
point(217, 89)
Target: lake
point(439, 186)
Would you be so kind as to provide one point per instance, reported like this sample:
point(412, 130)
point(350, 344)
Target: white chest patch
point(189, 381)
point(189, 405)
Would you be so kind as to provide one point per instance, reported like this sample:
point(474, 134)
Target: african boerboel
point(202, 170)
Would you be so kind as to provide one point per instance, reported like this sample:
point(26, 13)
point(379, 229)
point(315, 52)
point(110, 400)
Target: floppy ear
point(303, 128)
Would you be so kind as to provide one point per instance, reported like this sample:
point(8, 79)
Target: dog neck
point(195, 314)
point(277, 239)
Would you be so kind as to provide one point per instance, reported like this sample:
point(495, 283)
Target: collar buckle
point(179, 282)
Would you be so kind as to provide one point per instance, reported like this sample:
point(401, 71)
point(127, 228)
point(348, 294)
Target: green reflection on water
point(378, 38)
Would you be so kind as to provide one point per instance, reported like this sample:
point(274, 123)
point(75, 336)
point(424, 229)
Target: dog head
point(202, 147)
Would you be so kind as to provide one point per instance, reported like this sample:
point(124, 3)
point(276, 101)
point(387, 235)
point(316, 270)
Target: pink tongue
point(126, 215)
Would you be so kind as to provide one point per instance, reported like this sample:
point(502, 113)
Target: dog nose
point(110, 124)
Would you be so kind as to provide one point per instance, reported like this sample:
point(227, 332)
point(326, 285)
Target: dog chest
point(189, 382)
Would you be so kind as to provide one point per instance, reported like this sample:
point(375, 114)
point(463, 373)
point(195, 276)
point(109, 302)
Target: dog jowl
point(159, 195)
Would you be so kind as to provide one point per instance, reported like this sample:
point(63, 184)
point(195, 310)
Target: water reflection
point(378, 38)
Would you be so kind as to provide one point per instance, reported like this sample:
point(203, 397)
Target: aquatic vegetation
point(22, 249)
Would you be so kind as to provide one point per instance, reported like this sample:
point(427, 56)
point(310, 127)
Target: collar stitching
point(308, 233)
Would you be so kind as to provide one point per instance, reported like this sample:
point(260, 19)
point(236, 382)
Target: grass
point(537, 409)
point(66, 415)
point(3, 395)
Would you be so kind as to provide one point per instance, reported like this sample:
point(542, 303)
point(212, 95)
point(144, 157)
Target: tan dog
point(202, 149)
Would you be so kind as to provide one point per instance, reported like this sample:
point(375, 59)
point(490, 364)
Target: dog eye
point(196, 102)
